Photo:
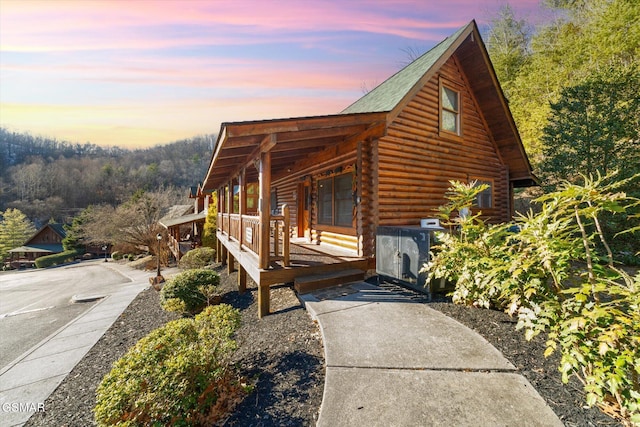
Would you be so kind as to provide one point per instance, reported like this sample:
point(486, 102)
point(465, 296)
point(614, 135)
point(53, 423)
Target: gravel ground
point(283, 354)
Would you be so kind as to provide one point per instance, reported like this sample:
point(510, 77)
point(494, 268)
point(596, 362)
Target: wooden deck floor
point(305, 259)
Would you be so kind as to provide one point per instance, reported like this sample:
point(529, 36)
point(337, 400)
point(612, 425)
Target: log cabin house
point(46, 241)
point(303, 197)
point(184, 223)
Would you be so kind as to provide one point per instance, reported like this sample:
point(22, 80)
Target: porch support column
point(230, 263)
point(263, 300)
point(265, 209)
point(222, 207)
point(242, 279)
point(230, 197)
point(242, 204)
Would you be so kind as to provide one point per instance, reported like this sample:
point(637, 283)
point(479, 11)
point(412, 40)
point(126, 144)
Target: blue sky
point(135, 73)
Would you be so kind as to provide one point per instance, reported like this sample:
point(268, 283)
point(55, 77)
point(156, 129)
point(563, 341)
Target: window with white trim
point(449, 110)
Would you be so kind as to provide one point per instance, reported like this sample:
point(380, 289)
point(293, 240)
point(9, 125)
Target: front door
point(304, 200)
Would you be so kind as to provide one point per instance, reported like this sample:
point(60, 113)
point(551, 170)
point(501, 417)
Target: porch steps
point(305, 284)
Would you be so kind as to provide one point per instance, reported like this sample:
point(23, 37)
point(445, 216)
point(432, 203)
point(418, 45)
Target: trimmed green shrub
point(178, 375)
point(194, 290)
point(60, 258)
point(198, 258)
point(117, 255)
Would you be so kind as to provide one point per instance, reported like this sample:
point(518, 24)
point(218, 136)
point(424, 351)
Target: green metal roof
point(387, 95)
point(53, 248)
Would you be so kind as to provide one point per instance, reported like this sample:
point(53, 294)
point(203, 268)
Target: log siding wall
point(287, 186)
point(415, 162)
point(403, 176)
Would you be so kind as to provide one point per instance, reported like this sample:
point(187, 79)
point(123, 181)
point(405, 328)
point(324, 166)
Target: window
point(449, 110)
point(252, 197)
point(335, 202)
point(484, 199)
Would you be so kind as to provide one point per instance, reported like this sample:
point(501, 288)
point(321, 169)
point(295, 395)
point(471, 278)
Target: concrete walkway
point(26, 382)
point(394, 362)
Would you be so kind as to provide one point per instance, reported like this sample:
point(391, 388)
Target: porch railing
point(174, 246)
point(245, 230)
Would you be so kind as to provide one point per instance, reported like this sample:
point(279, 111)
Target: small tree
point(15, 229)
point(209, 231)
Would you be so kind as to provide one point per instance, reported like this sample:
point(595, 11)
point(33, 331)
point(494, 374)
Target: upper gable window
point(449, 110)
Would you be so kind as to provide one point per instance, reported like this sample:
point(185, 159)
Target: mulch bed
point(283, 355)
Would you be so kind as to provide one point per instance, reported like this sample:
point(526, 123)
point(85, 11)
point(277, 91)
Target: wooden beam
point(242, 204)
point(230, 263)
point(264, 294)
point(264, 208)
point(285, 236)
point(242, 279)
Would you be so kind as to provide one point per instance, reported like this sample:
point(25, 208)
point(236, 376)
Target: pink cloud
point(70, 25)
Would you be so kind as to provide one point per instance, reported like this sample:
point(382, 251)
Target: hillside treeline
point(48, 179)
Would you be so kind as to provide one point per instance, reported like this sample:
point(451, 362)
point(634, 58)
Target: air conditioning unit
point(401, 253)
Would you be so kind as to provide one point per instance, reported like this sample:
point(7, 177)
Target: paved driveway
point(36, 303)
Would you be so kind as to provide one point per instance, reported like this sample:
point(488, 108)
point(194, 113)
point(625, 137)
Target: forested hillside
point(573, 85)
point(48, 179)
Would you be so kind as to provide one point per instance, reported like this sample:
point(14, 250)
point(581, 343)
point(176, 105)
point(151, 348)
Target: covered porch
point(290, 260)
point(263, 174)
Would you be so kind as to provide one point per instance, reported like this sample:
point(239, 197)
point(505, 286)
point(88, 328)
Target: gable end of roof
point(386, 96)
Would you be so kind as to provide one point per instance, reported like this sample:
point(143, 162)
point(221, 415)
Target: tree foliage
point(583, 39)
point(594, 128)
point(209, 230)
point(15, 229)
point(508, 44)
point(45, 178)
point(133, 223)
point(559, 275)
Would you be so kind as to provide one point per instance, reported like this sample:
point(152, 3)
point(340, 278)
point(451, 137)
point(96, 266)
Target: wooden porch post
point(230, 196)
point(285, 237)
point(222, 203)
point(265, 229)
point(242, 204)
point(230, 263)
point(242, 279)
point(265, 209)
point(230, 259)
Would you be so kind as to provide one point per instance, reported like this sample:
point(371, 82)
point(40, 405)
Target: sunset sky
point(136, 73)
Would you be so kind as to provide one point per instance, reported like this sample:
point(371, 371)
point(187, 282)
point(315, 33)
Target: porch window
point(449, 110)
point(252, 197)
point(335, 203)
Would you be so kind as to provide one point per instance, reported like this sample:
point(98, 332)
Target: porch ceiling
point(289, 140)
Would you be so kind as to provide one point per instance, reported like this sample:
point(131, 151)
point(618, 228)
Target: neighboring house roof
point(177, 211)
point(53, 248)
point(185, 219)
point(55, 227)
point(58, 228)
